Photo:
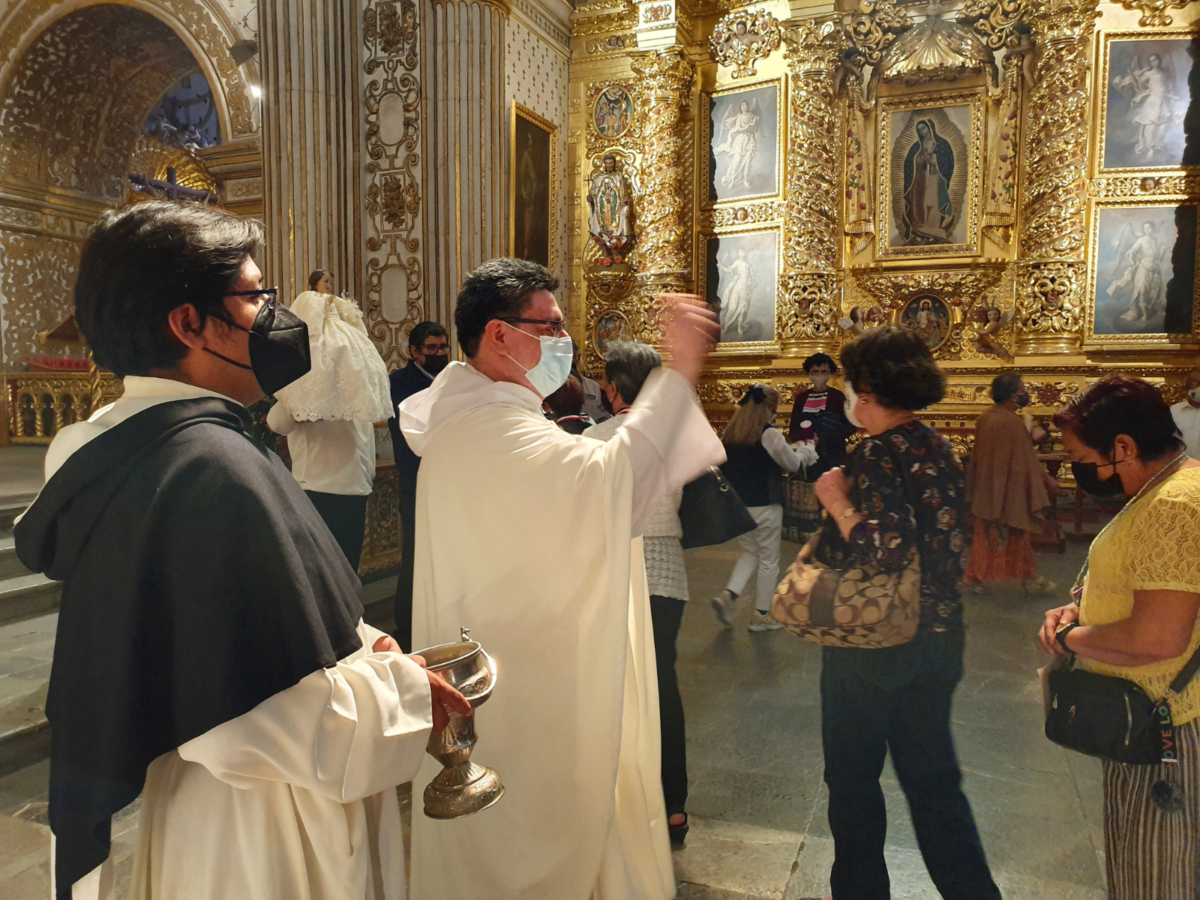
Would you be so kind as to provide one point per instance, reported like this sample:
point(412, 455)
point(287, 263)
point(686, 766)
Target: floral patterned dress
point(887, 473)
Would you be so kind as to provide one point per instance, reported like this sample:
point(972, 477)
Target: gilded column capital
point(501, 6)
point(668, 70)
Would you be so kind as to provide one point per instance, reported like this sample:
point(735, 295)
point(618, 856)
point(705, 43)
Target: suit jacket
point(404, 383)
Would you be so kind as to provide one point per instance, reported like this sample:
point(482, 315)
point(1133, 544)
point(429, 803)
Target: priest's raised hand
point(211, 654)
point(530, 536)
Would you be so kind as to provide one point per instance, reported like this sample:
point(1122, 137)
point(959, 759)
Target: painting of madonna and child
point(929, 177)
point(740, 284)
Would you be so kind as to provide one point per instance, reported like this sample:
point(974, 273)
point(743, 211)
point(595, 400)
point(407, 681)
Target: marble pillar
point(310, 139)
point(466, 136)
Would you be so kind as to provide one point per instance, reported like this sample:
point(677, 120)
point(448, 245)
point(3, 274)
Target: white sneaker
point(760, 621)
point(723, 605)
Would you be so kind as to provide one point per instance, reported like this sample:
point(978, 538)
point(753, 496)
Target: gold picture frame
point(1124, 90)
point(750, 253)
point(959, 116)
point(767, 176)
point(533, 153)
point(1124, 296)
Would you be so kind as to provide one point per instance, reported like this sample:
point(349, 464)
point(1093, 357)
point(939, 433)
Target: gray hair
point(628, 364)
point(1006, 386)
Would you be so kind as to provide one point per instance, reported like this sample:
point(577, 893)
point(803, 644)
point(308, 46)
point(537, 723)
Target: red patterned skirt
point(1000, 553)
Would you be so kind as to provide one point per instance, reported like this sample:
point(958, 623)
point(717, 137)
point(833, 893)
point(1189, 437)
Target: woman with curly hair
point(901, 496)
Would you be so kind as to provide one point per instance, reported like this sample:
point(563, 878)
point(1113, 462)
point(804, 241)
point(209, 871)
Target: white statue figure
point(610, 222)
point(1141, 275)
point(1152, 104)
point(735, 303)
point(739, 140)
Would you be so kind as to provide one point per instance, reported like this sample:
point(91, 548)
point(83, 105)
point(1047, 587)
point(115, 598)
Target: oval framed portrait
point(610, 326)
point(929, 316)
point(612, 113)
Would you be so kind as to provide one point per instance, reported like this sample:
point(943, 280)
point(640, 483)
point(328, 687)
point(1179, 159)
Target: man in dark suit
point(428, 352)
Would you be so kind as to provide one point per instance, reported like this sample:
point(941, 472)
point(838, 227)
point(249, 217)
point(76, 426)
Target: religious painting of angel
point(1146, 99)
point(1133, 266)
point(744, 143)
point(740, 284)
point(613, 112)
point(928, 317)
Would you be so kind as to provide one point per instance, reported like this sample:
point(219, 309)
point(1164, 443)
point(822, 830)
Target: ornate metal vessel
point(462, 787)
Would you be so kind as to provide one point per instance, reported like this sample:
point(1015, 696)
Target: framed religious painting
point(612, 112)
point(743, 133)
point(1143, 97)
point(931, 164)
point(739, 281)
point(533, 158)
point(1142, 274)
point(611, 325)
point(929, 317)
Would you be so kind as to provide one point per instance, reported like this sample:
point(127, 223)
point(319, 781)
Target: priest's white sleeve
point(345, 732)
point(669, 440)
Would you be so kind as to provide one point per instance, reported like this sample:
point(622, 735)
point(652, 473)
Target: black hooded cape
point(198, 580)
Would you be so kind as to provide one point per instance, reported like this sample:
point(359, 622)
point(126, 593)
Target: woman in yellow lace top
point(1137, 619)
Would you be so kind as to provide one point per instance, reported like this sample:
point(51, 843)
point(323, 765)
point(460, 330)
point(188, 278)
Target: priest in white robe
point(210, 654)
point(526, 534)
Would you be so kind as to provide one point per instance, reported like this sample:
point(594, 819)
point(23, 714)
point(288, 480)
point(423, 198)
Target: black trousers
point(666, 615)
point(402, 604)
point(899, 701)
point(346, 516)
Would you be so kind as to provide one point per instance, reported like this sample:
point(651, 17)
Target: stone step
point(26, 650)
point(10, 508)
point(10, 566)
point(23, 596)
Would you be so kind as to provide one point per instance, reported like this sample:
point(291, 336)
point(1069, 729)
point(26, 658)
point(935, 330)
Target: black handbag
point(711, 511)
point(1112, 718)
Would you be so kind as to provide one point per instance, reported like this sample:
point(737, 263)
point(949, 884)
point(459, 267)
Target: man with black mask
point(210, 653)
point(428, 353)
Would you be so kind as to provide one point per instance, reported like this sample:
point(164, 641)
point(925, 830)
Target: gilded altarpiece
point(1008, 178)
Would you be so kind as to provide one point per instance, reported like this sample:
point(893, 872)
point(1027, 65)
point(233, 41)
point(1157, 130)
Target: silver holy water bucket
point(462, 787)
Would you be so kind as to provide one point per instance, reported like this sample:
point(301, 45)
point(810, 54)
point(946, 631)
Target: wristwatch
point(1061, 636)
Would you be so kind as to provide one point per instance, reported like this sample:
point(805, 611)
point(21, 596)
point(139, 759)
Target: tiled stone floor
point(758, 801)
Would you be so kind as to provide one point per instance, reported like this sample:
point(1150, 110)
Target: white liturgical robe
point(294, 799)
point(525, 534)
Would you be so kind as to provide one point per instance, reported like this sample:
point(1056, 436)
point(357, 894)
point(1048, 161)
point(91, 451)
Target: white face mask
point(851, 404)
point(819, 381)
point(554, 367)
point(1194, 394)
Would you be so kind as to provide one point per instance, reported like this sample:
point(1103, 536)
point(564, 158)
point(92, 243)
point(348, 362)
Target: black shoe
point(678, 832)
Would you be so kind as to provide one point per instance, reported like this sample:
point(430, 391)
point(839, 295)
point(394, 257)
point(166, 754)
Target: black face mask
point(1088, 479)
point(434, 364)
point(1023, 400)
point(279, 350)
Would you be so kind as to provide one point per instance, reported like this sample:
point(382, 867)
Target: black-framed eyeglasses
point(436, 350)
point(271, 294)
point(556, 324)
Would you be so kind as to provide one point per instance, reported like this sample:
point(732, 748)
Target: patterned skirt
point(801, 510)
point(1152, 825)
point(1000, 553)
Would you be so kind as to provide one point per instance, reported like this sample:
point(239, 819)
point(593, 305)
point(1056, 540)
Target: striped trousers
point(1152, 825)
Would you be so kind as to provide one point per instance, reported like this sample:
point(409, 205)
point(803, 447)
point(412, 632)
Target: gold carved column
point(1051, 302)
point(810, 288)
point(664, 241)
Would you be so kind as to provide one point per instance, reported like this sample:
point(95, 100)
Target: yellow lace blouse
point(1154, 546)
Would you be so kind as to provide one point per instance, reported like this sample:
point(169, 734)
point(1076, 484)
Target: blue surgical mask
point(552, 369)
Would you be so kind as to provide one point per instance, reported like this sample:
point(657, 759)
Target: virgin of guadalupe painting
point(744, 144)
point(929, 213)
point(930, 181)
point(1147, 97)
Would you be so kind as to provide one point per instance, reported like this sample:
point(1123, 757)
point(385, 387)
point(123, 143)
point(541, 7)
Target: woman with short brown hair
point(1136, 619)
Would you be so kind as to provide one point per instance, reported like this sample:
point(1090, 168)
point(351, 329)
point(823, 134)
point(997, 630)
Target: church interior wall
point(1020, 281)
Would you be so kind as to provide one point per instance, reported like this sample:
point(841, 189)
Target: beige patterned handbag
point(857, 607)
